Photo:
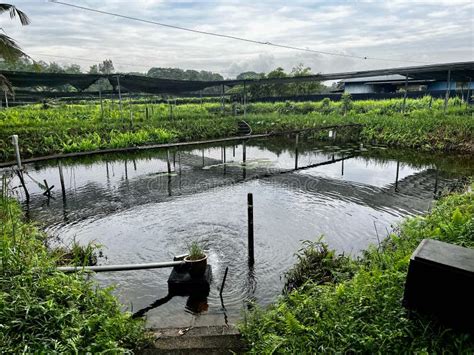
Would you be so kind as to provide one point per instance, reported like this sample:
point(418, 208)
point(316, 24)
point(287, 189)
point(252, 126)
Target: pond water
point(353, 196)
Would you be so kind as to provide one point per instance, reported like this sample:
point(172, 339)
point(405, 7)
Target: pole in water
point(61, 179)
point(296, 150)
point(342, 166)
point(250, 228)
point(203, 162)
point(47, 192)
point(168, 161)
point(22, 181)
point(223, 281)
point(244, 152)
point(17, 151)
point(396, 177)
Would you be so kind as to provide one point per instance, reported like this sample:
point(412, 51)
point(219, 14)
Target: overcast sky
point(424, 31)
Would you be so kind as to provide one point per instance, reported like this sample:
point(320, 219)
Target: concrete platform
point(198, 340)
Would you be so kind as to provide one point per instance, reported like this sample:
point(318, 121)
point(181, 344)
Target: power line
point(233, 37)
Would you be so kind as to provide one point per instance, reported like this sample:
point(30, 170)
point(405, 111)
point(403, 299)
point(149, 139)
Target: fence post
point(61, 179)
point(17, 151)
point(448, 89)
point(168, 161)
point(296, 150)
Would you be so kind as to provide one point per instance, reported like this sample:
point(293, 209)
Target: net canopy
point(462, 71)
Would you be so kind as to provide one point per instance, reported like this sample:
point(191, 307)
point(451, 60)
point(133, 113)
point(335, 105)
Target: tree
point(106, 67)
point(94, 69)
point(9, 49)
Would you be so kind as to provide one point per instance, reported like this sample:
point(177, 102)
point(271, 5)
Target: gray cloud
point(432, 31)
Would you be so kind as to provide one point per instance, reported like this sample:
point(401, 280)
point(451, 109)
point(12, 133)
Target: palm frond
point(9, 50)
point(24, 19)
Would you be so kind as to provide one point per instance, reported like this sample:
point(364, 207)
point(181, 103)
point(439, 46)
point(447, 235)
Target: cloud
point(396, 29)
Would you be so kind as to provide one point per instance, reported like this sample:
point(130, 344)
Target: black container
point(440, 282)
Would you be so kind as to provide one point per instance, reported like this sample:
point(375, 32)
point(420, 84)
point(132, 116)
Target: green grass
point(73, 128)
point(45, 311)
point(363, 312)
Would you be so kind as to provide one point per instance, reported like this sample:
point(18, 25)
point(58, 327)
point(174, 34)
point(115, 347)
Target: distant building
point(385, 84)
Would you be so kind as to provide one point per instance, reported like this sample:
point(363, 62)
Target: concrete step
point(197, 340)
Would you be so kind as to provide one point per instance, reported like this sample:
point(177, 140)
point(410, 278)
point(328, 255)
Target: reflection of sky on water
point(141, 214)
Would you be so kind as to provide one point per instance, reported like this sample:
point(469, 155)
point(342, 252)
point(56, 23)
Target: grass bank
point(45, 311)
point(72, 128)
point(337, 304)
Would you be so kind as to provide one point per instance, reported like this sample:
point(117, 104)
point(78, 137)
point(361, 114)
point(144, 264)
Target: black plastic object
point(181, 283)
point(440, 282)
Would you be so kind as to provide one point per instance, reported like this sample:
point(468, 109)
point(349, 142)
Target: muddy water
point(139, 213)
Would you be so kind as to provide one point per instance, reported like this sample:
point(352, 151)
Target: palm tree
point(9, 50)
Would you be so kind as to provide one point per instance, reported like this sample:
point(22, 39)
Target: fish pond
point(348, 195)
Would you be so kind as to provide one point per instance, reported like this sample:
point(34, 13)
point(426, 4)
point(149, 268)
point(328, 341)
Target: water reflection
point(150, 212)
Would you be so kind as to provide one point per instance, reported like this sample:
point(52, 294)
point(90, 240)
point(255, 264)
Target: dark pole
point(250, 228)
point(244, 152)
point(396, 177)
point(342, 166)
point(61, 179)
point(168, 161)
point(448, 89)
point(245, 100)
point(468, 92)
point(405, 94)
point(296, 151)
point(120, 97)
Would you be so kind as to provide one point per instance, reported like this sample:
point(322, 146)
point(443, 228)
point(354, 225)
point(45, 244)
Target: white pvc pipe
point(125, 267)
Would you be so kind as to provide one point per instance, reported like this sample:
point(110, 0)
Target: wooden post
point(168, 161)
point(448, 89)
point(17, 151)
point(245, 100)
point(6, 99)
point(179, 161)
point(203, 162)
point(224, 155)
point(405, 94)
point(296, 150)
point(468, 98)
point(250, 229)
point(126, 170)
point(342, 166)
point(22, 181)
point(396, 177)
point(223, 281)
point(47, 192)
point(233, 150)
point(107, 169)
point(101, 105)
point(61, 179)
point(120, 97)
point(244, 152)
point(146, 112)
point(171, 109)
